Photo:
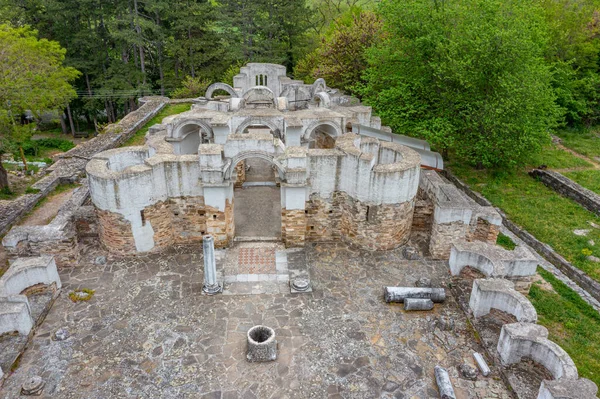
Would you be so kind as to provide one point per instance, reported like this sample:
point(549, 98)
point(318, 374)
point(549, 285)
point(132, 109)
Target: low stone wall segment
point(546, 251)
point(568, 188)
point(500, 294)
point(72, 163)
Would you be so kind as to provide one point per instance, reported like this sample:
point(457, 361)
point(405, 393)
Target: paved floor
point(148, 332)
point(257, 211)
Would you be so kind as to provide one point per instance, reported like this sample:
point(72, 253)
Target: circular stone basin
point(300, 284)
point(33, 386)
point(262, 345)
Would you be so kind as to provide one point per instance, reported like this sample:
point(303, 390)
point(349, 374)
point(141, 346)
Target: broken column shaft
point(418, 304)
point(444, 385)
point(211, 285)
point(399, 294)
point(481, 363)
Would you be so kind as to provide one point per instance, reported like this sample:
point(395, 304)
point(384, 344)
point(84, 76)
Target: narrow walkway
point(44, 213)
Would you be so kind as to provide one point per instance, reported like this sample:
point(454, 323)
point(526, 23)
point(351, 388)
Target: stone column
point(211, 286)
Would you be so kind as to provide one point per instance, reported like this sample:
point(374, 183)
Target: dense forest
point(486, 79)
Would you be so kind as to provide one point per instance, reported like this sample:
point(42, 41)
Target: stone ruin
point(342, 177)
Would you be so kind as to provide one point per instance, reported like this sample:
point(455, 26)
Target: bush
point(191, 88)
point(32, 147)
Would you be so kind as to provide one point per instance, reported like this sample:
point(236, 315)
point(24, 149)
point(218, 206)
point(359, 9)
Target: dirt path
point(48, 210)
point(595, 164)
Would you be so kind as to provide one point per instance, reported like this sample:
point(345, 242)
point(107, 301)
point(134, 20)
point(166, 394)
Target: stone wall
point(423, 213)
point(567, 187)
point(293, 227)
point(442, 237)
point(115, 232)
point(179, 220)
point(71, 164)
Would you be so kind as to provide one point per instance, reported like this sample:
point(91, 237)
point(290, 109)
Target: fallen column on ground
point(481, 363)
point(418, 304)
point(399, 294)
point(443, 382)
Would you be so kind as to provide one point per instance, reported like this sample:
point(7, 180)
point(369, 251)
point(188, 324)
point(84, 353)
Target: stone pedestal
point(262, 345)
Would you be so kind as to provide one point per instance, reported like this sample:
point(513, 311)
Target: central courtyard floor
point(149, 332)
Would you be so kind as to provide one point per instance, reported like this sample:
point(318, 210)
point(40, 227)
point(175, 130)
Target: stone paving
point(148, 332)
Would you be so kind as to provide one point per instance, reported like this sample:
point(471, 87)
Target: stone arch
point(241, 156)
point(318, 85)
point(220, 86)
point(331, 124)
point(177, 128)
point(258, 122)
point(322, 99)
point(259, 95)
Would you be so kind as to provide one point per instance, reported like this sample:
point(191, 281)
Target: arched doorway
point(323, 135)
point(193, 134)
point(257, 198)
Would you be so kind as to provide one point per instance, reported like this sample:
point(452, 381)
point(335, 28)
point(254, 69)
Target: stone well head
point(262, 345)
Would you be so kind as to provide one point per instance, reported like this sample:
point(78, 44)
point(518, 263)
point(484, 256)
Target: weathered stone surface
point(149, 330)
point(33, 386)
point(566, 388)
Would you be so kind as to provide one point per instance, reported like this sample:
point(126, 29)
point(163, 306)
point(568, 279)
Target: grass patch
point(547, 215)
point(589, 179)
point(31, 190)
point(571, 322)
point(81, 295)
point(171, 109)
point(505, 242)
point(555, 158)
point(7, 194)
point(585, 141)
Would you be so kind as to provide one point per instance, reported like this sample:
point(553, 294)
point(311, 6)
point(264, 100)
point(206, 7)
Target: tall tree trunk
point(70, 119)
point(63, 123)
point(23, 158)
point(89, 87)
point(193, 72)
point(138, 29)
point(3, 178)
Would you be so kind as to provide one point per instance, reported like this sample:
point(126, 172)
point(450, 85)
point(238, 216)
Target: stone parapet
point(568, 188)
point(500, 294)
point(26, 272)
point(15, 315)
point(456, 217)
point(568, 388)
point(492, 260)
point(520, 340)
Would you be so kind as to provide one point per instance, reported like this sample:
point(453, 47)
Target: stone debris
point(61, 334)
point(594, 259)
point(594, 225)
point(467, 371)
point(445, 323)
point(581, 232)
point(33, 386)
point(411, 253)
point(100, 260)
point(444, 384)
point(592, 242)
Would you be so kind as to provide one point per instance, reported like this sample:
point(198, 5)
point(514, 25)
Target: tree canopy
point(468, 75)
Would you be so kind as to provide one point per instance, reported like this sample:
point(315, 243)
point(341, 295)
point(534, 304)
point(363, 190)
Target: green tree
point(32, 77)
point(341, 57)
point(467, 75)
